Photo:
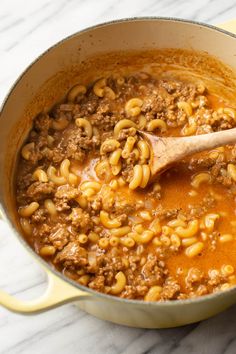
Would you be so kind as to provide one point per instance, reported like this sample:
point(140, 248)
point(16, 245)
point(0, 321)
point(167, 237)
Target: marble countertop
point(27, 28)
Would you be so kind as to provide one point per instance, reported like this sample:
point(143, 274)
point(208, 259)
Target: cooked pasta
point(40, 175)
point(27, 150)
point(28, 210)
point(123, 124)
point(107, 222)
point(75, 91)
point(157, 124)
point(99, 86)
point(133, 107)
point(54, 177)
point(120, 283)
point(137, 177)
point(86, 125)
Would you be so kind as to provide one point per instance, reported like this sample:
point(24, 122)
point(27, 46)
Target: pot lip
point(167, 303)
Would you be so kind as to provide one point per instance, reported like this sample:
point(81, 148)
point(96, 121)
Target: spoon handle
point(166, 150)
point(199, 143)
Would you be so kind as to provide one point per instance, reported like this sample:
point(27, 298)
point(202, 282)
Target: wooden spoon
point(166, 151)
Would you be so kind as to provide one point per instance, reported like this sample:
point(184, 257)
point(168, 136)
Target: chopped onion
point(135, 219)
point(92, 259)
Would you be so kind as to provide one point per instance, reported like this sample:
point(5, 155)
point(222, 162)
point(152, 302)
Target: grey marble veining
point(28, 27)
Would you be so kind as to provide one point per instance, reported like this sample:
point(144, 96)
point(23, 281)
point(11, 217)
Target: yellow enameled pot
point(43, 83)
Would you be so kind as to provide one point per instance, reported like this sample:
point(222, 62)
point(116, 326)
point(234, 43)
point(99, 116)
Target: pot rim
point(3, 209)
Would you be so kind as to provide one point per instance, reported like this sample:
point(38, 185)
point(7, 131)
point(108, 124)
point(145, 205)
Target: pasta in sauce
point(86, 205)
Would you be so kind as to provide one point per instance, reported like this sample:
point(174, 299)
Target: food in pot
point(84, 199)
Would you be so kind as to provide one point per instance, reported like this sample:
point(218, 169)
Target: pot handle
point(228, 26)
point(57, 293)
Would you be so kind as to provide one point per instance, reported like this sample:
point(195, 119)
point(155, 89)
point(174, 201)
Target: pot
point(43, 83)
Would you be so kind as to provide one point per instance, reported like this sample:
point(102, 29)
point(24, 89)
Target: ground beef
point(65, 196)
point(159, 104)
point(110, 264)
point(128, 172)
point(194, 276)
point(66, 110)
point(97, 283)
point(215, 277)
point(96, 204)
point(66, 192)
point(164, 213)
point(40, 190)
point(80, 219)
point(201, 290)
point(39, 216)
point(43, 231)
point(89, 106)
point(196, 164)
point(107, 122)
point(129, 292)
point(198, 210)
point(75, 145)
point(107, 198)
point(125, 133)
point(171, 289)
point(42, 123)
point(151, 272)
point(72, 255)
point(215, 120)
point(59, 236)
point(122, 205)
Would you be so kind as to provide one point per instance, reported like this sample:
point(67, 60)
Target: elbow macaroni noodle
point(40, 175)
point(120, 283)
point(26, 150)
point(137, 177)
point(121, 231)
point(145, 176)
point(153, 293)
point(107, 222)
point(123, 124)
point(142, 122)
point(128, 147)
point(109, 145)
point(145, 237)
point(28, 210)
point(157, 124)
point(144, 150)
point(114, 158)
point(101, 89)
point(86, 125)
point(189, 231)
point(50, 206)
point(200, 178)
point(99, 86)
point(26, 226)
point(133, 107)
point(186, 107)
point(231, 169)
point(75, 91)
point(52, 176)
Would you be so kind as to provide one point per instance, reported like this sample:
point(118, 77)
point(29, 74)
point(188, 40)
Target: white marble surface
point(28, 27)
